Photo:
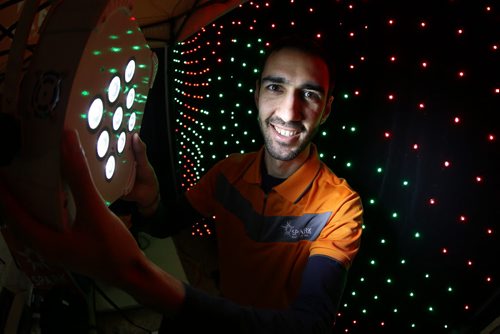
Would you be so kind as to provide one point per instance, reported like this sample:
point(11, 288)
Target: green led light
point(323, 133)
point(405, 183)
point(129, 32)
point(353, 129)
point(348, 164)
point(372, 262)
point(382, 241)
point(113, 36)
point(115, 49)
point(85, 93)
point(346, 96)
point(96, 52)
point(417, 235)
point(427, 275)
point(395, 310)
point(371, 201)
point(394, 215)
point(389, 281)
point(379, 170)
point(430, 309)
point(136, 47)
point(450, 289)
point(403, 261)
point(411, 294)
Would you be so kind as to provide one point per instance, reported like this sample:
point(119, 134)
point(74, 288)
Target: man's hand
point(146, 192)
point(97, 244)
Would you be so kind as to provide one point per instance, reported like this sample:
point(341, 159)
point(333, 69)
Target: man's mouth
point(284, 132)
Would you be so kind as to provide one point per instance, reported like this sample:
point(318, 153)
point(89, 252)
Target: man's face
point(292, 101)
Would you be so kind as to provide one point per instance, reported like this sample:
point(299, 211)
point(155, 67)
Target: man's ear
point(256, 93)
point(328, 110)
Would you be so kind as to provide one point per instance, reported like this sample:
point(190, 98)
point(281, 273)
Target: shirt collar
point(297, 183)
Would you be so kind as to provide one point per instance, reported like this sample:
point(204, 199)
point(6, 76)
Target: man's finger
point(139, 148)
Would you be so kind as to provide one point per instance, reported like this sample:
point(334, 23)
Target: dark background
point(423, 267)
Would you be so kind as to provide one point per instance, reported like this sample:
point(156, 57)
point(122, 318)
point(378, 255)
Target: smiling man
point(287, 229)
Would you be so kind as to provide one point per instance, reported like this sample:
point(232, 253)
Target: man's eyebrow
point(307, 85)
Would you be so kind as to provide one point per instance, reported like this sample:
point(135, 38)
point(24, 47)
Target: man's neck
point(283, 169)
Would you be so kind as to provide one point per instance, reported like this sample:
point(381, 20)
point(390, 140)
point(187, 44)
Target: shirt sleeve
point(313, 311)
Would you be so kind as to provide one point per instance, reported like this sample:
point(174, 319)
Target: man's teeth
point(286, 132)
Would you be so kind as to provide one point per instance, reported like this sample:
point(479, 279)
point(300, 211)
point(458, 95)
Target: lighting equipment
point(91, 70)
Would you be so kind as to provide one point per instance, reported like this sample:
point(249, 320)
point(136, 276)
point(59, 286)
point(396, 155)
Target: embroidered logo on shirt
point(296, 233)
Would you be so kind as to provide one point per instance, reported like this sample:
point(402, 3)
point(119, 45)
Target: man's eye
point(311, 95)
point(274, 87)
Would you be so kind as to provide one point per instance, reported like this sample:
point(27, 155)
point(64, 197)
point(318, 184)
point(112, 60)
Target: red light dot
point(461, 74)
point(387, 134)
point(479, 179)
point(456, 119)
point(351, 34)
point(423, 24)
point(415, 146)
point(393, 58)
point(460, 31)
point(432, 201)
point(469, 263)
point(466, 307)
point(382, 324)
point(489, 231)
point(356, 92)
point(447, 164)
point(497, 90)
point(421, 105)
point(444, 251)
point(494, 47)
point(488, 279)
point(391, 21)
point(391, 97)
point(424, 64)
point(318, 35)
point(491, 137)
point(462, 218)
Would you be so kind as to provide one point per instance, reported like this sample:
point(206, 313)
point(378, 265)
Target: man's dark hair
point(309, 46)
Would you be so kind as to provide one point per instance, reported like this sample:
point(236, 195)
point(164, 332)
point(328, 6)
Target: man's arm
point(313, 311)
point(100, 246)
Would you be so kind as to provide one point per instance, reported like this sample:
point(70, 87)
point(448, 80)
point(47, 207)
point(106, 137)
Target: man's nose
point(291, 107)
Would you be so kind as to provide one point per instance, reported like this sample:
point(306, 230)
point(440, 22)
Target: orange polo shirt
point(264, 240)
